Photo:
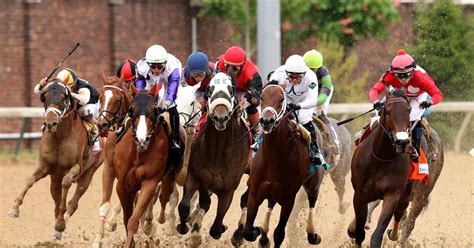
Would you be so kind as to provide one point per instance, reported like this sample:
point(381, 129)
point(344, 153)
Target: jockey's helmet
point(198, 62)
point(67, 76)
point(235, 55)
point(156, 54)
point(313, 59)
point(127, 70)
point(402, 63)
point(295, 64)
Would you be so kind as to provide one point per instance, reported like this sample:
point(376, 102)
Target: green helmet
point(313, 59)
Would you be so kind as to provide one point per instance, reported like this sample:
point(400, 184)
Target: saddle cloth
point(419, 171)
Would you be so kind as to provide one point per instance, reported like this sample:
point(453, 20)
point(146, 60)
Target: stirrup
point(414, 155)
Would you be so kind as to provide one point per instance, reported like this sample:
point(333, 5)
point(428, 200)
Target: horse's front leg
point(174, 198)
point(40, 171)
point(311, 187)
point(356, 228)
point(264, 241)
point(223, 205)
point(204, 205)
point(82, 185)
point(237, 238)
point(399, 212)
point(279, 233)
point(184, 206)
point(66, 184)
point(147, 192)
point(372, 206)
point(389, 205)
point(250, 232)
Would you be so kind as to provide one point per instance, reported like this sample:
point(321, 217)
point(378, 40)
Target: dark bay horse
point(140, 159)
point(115, 100)
point(420, 192)
point(64, 154)
point(279, 169)
point(380, 167)
point(217, 161)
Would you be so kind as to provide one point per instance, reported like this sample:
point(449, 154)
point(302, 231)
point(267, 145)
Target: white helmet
point(156, 54)
point(295, 64)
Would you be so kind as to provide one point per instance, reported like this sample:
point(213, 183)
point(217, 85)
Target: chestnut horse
point(380, 167)
point(64, 154)
point(140, 159)
point(217, 161)
point(115, 100)
point(281, 166)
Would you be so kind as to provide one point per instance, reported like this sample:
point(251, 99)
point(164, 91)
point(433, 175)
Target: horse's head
point(186, 102)
point(144, 114)
point(395, 119)
point(115, 98)
point(220, 100)
point(56, 99)
point(273, 105)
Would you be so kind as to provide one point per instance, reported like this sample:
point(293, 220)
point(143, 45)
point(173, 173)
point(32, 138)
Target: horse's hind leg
point(184, 206)
point(372, 206)
point(174, 198)
point(237, 238)
point(82, 185)
point(204, 204)
point(40, 171)
point(419, 202)
point(339, 180)
point(399, 212)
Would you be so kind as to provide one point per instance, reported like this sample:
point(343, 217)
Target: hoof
point(148, 227)
point(351, 234)
point(237, 238)
point(110, 227)
point(14, 212)
point(253, 234)
point(97, 243)
point(314, 238)
point(162, 218)
point(60, 227)
point(391, 235)
point(182, 228)
point(264, 241)
point(216, 234)
point(169, 230)
point(195, 240)
point(57, 236)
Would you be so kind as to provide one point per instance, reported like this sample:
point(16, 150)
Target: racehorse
point(115, 100)
point(281, 166)
point(420, 192)
point(218, 159)
point(140, 159)
point(64, 154)
point(380, 167)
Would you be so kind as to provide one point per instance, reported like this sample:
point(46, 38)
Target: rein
point(115, 116)
point(60, 115)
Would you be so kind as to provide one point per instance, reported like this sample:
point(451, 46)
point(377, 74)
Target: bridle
point(280, 115)
point(119, 110)
point(60, 114)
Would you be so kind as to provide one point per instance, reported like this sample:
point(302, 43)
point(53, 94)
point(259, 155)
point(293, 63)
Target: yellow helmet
point(67, 76)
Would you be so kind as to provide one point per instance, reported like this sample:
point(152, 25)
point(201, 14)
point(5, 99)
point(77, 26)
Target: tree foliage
point(445, 48)
point(342, 21)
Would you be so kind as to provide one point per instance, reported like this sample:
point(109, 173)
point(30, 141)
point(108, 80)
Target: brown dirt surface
point(447, 222)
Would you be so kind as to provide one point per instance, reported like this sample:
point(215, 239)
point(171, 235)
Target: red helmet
point(235, 56)
point(127, 70)
point(402, 62)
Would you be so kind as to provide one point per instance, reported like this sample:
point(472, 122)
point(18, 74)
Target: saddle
point(304, 133)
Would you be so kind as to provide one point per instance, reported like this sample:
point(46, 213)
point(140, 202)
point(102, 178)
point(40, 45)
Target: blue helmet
point(198, 62)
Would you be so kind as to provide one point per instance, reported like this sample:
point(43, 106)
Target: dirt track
point(448, 221)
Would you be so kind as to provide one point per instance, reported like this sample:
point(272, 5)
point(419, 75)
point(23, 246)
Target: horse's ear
point(196, 87)
point(105, 80)
point(133, 89)
point(152, 91)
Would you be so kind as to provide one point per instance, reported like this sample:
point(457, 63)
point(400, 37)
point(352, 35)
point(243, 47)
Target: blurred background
point(358, 39)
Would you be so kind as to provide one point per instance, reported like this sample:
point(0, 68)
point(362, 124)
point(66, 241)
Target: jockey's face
point(198, 76)
point(233, 70)
point(404, 76)
point(294, 78)
point(157, 68)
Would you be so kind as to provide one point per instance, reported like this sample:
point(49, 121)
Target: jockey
point(127, 71)
point(314, 60)
point(162, 68)
point(419, 87)
point(248, 83)
point(301, 88)
point(88, 98)
point(198, 70)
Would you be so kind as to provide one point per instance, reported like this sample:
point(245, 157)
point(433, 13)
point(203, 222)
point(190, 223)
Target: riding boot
point(174, 141)
point(315, 156)
point(123, 127)
point(416, 136)
point(92, 131)
point(257, 141)
point(254, 120)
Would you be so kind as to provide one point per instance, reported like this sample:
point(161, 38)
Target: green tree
point(340, 21)
point(445, 47)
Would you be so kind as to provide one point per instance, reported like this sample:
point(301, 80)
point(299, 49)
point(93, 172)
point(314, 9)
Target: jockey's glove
point(167, 104)
point(252, 99)
point(426, 104)
point(42, 83)
point(378, 105)
point(293, 106)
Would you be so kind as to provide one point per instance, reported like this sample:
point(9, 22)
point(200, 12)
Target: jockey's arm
point(376, 90)
point(39, 86)
point(326, 85)
point(173, 84)
point(255, 85)
point(432, 90)
point(83, 95)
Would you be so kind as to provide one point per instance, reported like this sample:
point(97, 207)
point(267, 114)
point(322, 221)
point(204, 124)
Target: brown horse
point(115, 100)
point(380, 167)
point(279, 169)
point(140, 160)
point(217, 161)
point(420, 193)
point(64, 154)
